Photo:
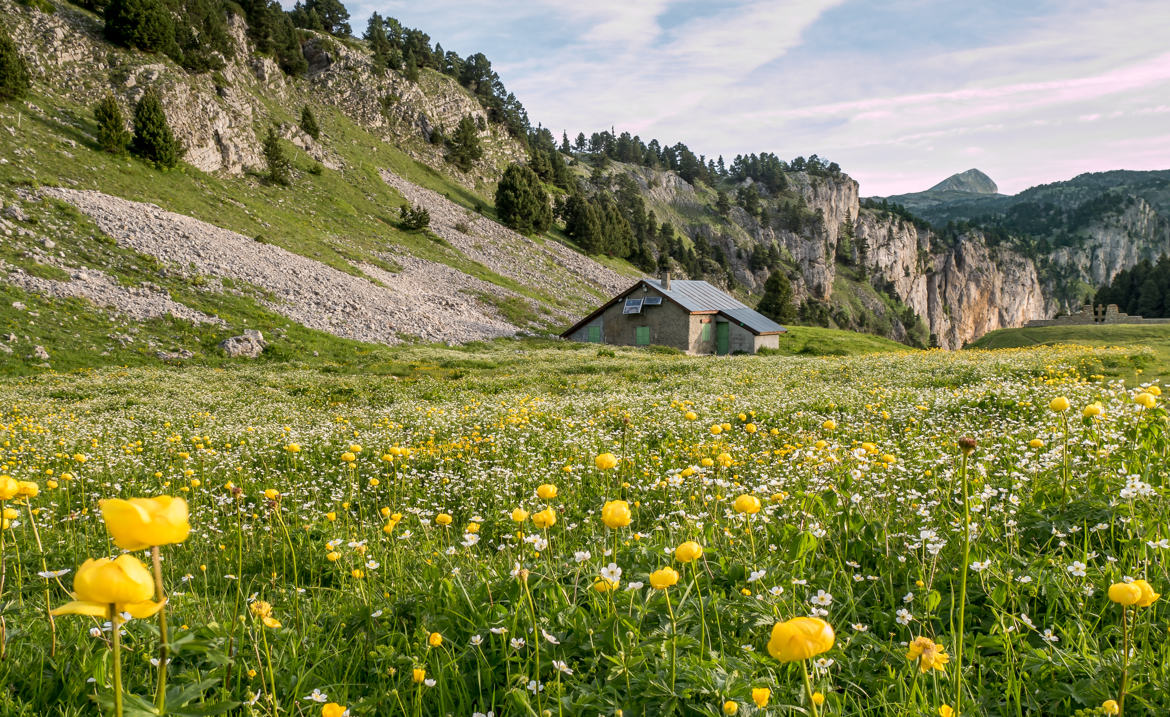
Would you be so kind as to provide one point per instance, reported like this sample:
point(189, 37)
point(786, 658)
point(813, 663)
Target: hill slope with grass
point(1155, 337)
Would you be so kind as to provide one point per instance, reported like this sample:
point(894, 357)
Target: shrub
point(153, 140)
point(14, 82)
point(111, 126)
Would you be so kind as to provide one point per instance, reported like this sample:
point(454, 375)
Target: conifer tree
point(276, 159)
point(776, 303)
point(379, 44)
point(153, 139)
point(13, 71)
point(111, 126)
point(309, 123)
point(141, 24)
point(522, 202)
point(464, 145)
point(411, 71)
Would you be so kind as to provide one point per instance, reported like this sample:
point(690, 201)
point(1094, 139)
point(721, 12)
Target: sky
point(900, 93)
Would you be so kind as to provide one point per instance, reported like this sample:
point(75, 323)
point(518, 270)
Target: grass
point(1155, 337)
point(817, 341)
point(370, 517)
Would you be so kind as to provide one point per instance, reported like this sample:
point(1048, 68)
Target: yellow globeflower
point(1111, 707)
point(663, 578)
point(716, 429)
point(123, 584)
point(604, 585)
point(818, 698)
point(548, 491)
point(750, 428)
point(443, 519)
point(1145, 400)
point(829, 425)
point(1154, 390)
point(946, 711)
point(1036, 443)
point(690, 415)
point(730, 707)
point(348, 457)
point(27, 489)
point(434, 639)
point(1148, 595)
point(139, 523)
point(1093, 410)
point(293, 448)
point(546, 518)
point(1125, 593)
point(519, 515)
point(725, 459)
point(8, 488)
point(332, 709)
point(616, 514)
point(605, 461)
point(800, 638)
point(761, 695)
point(928, 653)
point(1059, 404)
point(418, 674)
point(688, 552)
point(747, 504)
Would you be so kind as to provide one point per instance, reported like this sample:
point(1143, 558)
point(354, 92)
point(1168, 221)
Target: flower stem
point(1124, 661)
point(116, 622)
point(673, 639)
point(702, 610)
point(160, 691)
point(966, 527)
point(812, 705)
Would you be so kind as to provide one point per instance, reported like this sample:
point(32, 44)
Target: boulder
point(250, 344)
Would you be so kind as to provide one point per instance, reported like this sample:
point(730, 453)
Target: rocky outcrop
point(219, 116)
point(250, 344)
point(1115, 242)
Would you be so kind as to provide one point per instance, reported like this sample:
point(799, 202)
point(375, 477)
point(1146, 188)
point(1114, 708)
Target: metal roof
point(694, 295)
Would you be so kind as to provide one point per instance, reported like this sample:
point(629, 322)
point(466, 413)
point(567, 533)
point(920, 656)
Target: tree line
point(1143, 290)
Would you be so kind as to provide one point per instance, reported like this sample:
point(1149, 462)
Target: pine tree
point(309, 123)
point(111, 126)
point(522, 202)
point(776, 303)
point(276, 159)
point(379, 44)
point(411, 71)
point(464, 145)
point(13, 71)
point(153, 139)
point(582, 224)
point(141, 24)
point(722, 203)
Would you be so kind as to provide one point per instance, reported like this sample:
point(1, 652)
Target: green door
point(594, 334)
point(642, 335)
point(722, 338)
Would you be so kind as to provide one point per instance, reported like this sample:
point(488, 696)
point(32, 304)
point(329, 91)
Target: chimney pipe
point(666, 281)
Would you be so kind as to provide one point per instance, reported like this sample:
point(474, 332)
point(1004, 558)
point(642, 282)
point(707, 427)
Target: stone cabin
point(689, 315)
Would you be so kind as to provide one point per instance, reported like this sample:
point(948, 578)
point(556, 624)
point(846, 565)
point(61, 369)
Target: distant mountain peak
point(973, 181)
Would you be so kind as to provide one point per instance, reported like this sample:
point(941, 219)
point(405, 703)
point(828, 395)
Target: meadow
point(523, 530)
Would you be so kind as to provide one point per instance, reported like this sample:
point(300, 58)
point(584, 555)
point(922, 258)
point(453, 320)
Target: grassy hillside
point(1155, 337)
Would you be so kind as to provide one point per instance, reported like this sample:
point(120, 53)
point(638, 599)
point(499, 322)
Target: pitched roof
point(699, 297)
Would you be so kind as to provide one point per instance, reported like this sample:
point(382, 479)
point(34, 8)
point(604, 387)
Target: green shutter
point(594, 334)
point(642, 336)
point(705, 335)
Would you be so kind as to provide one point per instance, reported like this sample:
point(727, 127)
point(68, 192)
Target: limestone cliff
point(221, 117)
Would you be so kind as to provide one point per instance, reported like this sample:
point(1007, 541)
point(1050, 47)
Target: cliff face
point(1115, 242)
point(221, 117)
point(962, 291)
